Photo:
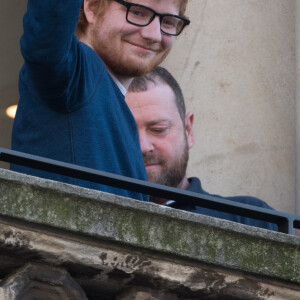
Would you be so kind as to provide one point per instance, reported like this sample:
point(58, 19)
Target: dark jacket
point(195, 186)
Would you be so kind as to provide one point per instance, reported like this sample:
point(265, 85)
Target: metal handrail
point(286, 222)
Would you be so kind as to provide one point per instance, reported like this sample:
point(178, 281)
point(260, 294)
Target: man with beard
point(72, 87)
point(166, 135)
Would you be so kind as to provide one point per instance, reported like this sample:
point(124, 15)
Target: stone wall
point(236, 64)
point(59, 241)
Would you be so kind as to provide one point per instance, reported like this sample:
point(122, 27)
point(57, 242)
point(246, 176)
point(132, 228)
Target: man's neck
point(183, 184)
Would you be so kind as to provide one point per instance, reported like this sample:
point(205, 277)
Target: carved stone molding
point(37, 281)
point(138, 293)
point(63, 238)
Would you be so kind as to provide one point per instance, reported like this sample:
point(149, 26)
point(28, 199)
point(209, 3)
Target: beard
point(171, 173)
point(121, 66)
point(118, 62)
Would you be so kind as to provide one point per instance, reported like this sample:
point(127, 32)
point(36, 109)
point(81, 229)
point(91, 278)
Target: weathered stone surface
point(110, 244)
point(145, 294)
point(149, 226)
point(36, 281)
point(105, 270)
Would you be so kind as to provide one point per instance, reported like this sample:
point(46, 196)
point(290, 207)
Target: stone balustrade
point(59, 241)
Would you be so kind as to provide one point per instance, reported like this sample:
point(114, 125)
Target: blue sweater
point(70, 109)
point(195, 186)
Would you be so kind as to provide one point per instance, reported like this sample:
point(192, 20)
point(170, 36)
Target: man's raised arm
point(48, 29)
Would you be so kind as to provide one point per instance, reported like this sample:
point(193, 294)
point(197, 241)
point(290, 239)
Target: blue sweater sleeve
point(48, 30)
point(51, 52)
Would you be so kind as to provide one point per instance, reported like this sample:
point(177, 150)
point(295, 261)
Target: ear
point(90, 10)
point(189, 121)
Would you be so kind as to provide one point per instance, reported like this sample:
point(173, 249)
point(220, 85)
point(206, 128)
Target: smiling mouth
point(145, 48)
point(142, 48)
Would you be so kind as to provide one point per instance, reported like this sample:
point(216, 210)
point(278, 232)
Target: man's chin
point(133, 70)
point(153, 178)
point(135, 65)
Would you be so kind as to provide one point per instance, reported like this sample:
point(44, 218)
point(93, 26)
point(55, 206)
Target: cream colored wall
point(297, 9)
point(236, 64)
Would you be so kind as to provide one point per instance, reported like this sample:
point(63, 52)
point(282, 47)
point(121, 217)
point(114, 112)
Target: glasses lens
point(139, 15)
point(172, 25)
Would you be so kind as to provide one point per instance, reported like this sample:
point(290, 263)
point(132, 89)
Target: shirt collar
point(194, 186)
point(118, 83)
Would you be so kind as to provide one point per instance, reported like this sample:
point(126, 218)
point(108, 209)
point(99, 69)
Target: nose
point(145, 143)
point(152, 31)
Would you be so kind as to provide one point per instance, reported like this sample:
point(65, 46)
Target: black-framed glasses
point(142, 16)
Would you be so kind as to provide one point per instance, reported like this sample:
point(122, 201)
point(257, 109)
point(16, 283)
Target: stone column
point(236, 65)
point(298, 107)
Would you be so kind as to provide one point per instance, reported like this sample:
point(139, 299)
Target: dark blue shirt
point(195, 186)
point(70, 109)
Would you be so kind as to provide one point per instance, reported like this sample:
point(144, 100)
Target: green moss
point(163, 233)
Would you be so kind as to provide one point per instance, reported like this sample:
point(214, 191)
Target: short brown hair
point(102, 6)
point(158, 76)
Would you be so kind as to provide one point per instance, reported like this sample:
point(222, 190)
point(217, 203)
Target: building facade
point(238, 65)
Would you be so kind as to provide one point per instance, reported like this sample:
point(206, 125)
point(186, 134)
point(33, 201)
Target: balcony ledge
point(111, 245)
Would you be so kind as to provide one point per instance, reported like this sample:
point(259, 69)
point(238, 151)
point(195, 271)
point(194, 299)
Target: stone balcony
point(59, 241)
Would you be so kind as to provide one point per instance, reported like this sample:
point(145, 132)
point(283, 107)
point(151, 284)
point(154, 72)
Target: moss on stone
point(160, 230)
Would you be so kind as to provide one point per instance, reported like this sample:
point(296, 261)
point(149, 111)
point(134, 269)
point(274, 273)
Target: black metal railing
point(286, 222)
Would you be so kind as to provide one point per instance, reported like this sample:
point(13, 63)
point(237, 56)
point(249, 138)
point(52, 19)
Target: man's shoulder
point(195, 186)
point(250, 201)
